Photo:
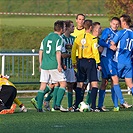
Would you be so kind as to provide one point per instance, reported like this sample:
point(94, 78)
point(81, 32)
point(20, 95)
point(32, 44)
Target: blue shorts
point(87, 70)
point(125, 70)
point(109, 67)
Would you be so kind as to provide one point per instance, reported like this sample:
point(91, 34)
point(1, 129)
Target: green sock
point(50, 95)
point(70, 99)
point(47, 89)
point(88, 97)
point(55, 96)
point(40, 98)
point(60, 95)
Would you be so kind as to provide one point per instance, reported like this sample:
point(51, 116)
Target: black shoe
point(75, 109)
point(57, 107)
point(94, 110)
point(40, 110)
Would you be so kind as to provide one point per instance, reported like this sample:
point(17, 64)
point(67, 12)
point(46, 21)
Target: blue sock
point(132, 90)
point(119, 93)
point(114, 98)
point(101, 98)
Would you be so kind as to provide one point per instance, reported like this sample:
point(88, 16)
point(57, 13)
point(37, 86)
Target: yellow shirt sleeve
point(73, 53)
point(95, 50)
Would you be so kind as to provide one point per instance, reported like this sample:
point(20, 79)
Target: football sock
point(55, 96)
point(60, 95)
point(88, 97)
point(40, 98)
point(70, 99)
point(119, 93)
point(17, 101)
point(93, 97)
point(114, 98)
point(78, 96)
point(50, 95)
point(101, 98)
point(82, 94)
point(47, 89)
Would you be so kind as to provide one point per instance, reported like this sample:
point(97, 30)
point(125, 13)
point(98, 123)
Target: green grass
point(52, 122)
point(44, 21)
point(25, 33)
point(52, 6)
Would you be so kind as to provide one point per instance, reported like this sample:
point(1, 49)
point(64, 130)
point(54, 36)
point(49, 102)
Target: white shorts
point(70, 75)
point(54, 75)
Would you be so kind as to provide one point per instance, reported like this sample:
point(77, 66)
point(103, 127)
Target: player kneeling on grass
point(7, 84)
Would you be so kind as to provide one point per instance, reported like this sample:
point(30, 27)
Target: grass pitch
point(68, 122)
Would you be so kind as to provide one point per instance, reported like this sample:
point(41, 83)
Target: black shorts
point(7, 95)
point(87, 70)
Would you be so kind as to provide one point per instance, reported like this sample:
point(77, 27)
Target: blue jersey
point(109, 67)
point(124, 39)
point(107, 35)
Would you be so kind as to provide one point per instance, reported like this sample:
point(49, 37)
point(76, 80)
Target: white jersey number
point(48, 46)
point(129, 44)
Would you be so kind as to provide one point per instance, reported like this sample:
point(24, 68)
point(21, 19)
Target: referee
point(88, 58)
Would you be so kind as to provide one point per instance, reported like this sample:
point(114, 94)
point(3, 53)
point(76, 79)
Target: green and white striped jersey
point(66, 48)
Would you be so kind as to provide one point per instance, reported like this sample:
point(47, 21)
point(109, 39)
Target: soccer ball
point(83, 107)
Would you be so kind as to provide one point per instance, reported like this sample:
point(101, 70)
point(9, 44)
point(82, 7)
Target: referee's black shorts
point(87, 70)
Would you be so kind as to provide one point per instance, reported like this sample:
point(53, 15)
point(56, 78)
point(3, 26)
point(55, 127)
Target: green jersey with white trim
point(50, 45)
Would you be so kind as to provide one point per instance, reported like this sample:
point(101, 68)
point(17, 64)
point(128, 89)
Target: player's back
point(125, 46)
point(51, 44)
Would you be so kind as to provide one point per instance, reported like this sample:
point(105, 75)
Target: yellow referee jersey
point(77, 32)
point(87, 47)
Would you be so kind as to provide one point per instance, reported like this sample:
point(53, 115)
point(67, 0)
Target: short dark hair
point(126, 18)
point(95, 24)
point(68, 23)
point(80, 14)
point(116, 18)
point(87, 24)
point(58, 25)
